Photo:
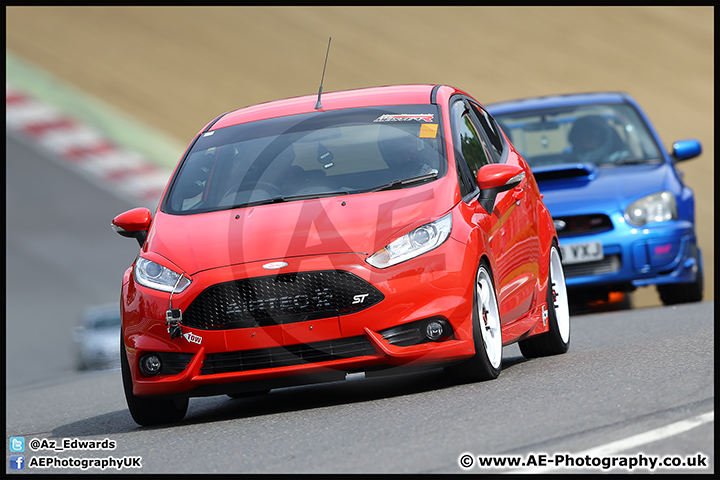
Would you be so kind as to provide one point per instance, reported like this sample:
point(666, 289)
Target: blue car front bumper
point(655, 254)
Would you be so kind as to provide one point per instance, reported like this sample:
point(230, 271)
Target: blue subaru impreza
point(624, 217)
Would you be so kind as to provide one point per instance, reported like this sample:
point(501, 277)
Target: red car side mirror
point(495, 178)
point(134, 223)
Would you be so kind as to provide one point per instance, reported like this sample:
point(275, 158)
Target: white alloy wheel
point(557, 339)
point(559, 295)
point(488, 315)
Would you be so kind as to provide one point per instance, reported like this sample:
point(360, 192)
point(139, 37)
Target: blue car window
point(600, 134)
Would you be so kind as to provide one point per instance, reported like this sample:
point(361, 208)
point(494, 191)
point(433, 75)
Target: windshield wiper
point(631, 161)
point(266, 201)
point(283, 198)
point(315, 195)
point(395, 184)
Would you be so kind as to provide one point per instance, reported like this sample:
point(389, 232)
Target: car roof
point(554, 101)
point(363, 97)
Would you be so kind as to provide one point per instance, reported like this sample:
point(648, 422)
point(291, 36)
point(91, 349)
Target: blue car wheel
point(675, 293)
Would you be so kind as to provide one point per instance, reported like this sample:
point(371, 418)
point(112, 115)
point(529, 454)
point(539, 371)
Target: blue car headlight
point(421, 240)
point(153, 275)
point(658, 207)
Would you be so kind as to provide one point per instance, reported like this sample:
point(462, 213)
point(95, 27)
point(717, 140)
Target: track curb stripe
point(83, 147)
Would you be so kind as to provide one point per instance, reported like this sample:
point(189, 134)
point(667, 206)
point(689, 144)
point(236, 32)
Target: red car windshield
point(308, 156)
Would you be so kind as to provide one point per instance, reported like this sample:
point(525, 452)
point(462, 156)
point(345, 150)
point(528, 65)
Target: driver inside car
point(594, 141)
point(405, 154)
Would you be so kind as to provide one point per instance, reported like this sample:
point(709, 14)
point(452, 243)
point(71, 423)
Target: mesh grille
point(247, 360)
point(280, 299)
point(609, 264)
point(173, 363)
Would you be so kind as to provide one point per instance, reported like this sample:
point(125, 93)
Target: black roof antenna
point(318, 105)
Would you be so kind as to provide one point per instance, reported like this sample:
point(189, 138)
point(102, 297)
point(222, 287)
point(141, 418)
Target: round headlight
point(434, 330)
point(153, 270)
point(422, 235)
point(150, 364)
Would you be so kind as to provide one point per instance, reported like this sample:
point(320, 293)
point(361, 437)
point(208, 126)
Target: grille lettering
point(280, 299)
point(360, 298)
point(320, 299)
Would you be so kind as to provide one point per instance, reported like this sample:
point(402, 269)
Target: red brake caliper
point(485, 318)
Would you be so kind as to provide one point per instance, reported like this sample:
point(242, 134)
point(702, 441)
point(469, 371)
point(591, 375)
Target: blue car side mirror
point(686, 149)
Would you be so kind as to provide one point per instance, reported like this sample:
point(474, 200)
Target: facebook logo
point(17, 444)
point(17, 462)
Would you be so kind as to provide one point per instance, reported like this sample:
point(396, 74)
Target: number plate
point(581, 252)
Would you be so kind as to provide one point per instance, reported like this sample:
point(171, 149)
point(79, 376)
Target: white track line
point(633, 441)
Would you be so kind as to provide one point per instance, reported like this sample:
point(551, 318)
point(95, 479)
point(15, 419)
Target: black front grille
point(173, 363)
point(609, 264)
point(280, 299)
point(582, 224)
point(246, 360)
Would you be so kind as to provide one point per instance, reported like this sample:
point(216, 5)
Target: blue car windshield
point(310, 155)
point(601, 134)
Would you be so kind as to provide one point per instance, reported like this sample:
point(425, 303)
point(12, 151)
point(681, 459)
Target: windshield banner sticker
point(406, 117)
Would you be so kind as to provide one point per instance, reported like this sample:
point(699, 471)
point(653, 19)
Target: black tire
point(557, 339)
point(682, 292)
point(487, 333)
point(146, 410)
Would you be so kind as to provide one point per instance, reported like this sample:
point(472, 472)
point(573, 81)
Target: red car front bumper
point(437, 285)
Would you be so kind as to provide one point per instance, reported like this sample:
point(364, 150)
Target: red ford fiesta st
point(301, 240)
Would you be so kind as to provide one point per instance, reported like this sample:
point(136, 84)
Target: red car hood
point(361, 223)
